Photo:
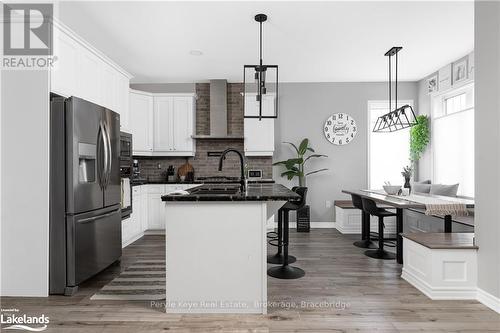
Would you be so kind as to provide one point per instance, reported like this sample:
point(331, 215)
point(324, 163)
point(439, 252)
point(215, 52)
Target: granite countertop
point(254, 192)
point(440, 240)
point(146, 182)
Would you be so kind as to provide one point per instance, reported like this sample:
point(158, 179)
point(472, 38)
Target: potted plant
point(295, 167)
point(406, 173)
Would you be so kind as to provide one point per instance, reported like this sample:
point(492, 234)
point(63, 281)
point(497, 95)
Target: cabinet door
point(89, 76)
point(122, 100)
point(141, 123)
point(163, 124)
point(137, 209)
point(156, 211)
point(144, 209)
point(63, 74)
point(183, 124)
point(259, 134)
point(109, 87)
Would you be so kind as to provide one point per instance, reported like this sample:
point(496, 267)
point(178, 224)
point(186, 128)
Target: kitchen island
point(216, 247)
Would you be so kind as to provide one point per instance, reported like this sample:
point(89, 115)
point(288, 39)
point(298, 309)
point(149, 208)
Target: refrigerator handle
point(90, 219)
point(100, 142)
point(108, 155)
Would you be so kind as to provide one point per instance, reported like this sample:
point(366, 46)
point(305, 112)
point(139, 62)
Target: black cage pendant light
point(401, 117)
point(262, 75)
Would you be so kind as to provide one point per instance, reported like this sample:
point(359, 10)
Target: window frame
point(370, 105)
point(440, 99)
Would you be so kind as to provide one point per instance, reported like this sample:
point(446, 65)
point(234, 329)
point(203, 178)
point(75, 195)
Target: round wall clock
point(340, 129)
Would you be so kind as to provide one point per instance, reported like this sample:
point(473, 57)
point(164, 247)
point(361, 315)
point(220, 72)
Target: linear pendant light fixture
point(399, 118)
point(259, 73)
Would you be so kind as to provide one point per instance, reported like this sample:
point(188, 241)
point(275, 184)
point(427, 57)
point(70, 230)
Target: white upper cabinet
point(81, 70)
point(162, 124)
point(259, 134)
point(63, 73)
point(140, 119)
point(183, 125)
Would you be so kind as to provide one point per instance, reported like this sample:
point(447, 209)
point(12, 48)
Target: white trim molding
point(438, 293)
point(488, 299)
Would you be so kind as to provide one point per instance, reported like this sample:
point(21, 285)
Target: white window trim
point(448, 93)
point(370, 104)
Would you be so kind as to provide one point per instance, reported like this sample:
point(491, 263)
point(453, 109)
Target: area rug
point(144, 280)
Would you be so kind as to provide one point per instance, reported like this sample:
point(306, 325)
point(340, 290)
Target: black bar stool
point(365, 241)
point(286, 271)
point(276, 239)
point(371, 208)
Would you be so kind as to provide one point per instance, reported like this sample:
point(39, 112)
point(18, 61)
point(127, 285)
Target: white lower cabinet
point(133, 227)
point(148, 211)
point(156, 207)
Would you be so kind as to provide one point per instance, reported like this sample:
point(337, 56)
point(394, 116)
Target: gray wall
point(304, 107)
point(24, 183)
point(487, 144)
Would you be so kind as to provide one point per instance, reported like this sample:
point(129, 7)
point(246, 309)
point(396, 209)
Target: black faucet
point(242, 164)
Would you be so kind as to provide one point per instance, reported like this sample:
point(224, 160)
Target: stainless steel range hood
point(218, 112)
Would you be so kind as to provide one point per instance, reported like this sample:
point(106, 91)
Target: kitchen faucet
point(242, 165)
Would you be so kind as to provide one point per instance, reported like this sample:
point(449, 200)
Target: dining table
point(400, 202)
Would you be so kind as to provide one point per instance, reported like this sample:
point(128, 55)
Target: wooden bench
point(441, 265)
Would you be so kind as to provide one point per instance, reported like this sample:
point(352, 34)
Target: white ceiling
point(310, 41)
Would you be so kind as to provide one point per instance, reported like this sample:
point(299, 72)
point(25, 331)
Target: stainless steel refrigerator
point(85, 216)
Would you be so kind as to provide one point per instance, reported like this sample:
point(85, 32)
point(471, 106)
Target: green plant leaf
point(280, 162)
point(312, 172)
point(293, 145)
point(419, 137)
point(303, 146)
point(310, 149)
point(293, 161)
point(290, 174)
point(314, 155)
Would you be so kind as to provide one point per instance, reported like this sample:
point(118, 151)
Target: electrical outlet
point(328, 204)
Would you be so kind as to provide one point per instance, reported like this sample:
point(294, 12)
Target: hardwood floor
point(345, 292)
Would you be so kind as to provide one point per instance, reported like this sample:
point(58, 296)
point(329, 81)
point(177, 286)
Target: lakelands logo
point(27, 36)
point(10, 319)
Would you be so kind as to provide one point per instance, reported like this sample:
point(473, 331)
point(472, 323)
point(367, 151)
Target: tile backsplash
point(154, 168)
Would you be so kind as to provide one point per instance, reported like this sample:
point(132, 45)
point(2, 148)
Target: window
point(453, 139)
point(388, 152)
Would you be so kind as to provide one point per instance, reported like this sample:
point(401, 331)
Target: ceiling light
point(401, 117)
point(195, 53)
point(258, 75)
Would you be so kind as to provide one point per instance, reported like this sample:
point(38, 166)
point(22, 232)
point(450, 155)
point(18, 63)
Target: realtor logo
point(27, 29)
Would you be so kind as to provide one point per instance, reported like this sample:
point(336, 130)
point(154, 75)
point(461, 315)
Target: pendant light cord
point(396, 99)
point(390, 85)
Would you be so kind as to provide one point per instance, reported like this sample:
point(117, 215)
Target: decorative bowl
point(392, 189)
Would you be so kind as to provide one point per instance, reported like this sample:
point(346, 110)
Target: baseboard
point(439, 293)
point(133, 239)
point(154, 232)
point(314, 225)
point(489, 300)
